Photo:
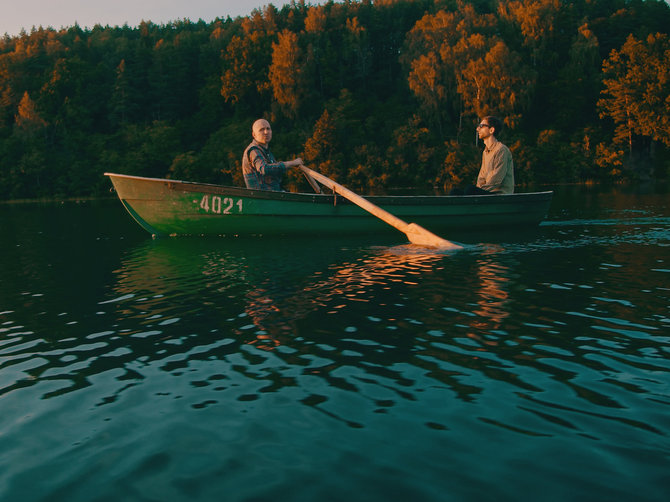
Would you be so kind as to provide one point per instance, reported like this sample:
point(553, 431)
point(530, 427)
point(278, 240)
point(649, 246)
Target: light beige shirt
point(497, 171)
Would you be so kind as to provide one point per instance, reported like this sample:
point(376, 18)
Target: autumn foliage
point(378, 95)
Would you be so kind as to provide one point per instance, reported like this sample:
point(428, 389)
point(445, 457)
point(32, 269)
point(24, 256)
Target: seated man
point(260, 168)
point(497, 171)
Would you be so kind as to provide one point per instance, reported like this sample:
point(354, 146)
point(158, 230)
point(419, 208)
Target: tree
point(323, 149)
point(431, 79)
point(286, 74)
point(428, 84)
point(497, 82)
point(412, 155)
point(438, 50)
point(537, 22)
point(636, 94)
point(246, 60)
point(377, 93)
point(29, 123)
point(30, 172)
point(578, 82)
point(124, 106)
point(357, 54)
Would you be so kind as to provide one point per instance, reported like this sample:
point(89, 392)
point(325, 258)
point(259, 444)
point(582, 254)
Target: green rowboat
point(172, 207)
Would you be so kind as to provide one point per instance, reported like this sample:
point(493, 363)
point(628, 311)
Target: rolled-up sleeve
point(263, 166)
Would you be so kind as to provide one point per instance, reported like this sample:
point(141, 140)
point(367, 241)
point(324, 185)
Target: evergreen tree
point(377, 94)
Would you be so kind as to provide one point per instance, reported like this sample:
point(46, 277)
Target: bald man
point(260, 168)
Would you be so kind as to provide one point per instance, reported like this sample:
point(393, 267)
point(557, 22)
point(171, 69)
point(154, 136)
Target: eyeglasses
point(483, 125)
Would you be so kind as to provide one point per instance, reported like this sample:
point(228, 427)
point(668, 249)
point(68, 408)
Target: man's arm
point(264, 165)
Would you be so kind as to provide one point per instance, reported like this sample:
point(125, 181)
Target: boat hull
point(171, 207)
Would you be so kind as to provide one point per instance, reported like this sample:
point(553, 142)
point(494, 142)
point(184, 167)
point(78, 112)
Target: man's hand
point(293, 163)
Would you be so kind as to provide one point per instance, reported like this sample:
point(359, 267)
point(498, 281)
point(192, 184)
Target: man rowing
point(260, 168)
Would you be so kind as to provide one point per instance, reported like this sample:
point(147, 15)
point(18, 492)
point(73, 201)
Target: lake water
point(530, 366)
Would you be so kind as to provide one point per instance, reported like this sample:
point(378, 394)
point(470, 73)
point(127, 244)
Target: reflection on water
point(174, 302)
point(494, 298)
point(308, 369)
point(272, 291)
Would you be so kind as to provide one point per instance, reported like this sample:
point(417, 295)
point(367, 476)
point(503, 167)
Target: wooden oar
point(312, 182)
point(415, 233)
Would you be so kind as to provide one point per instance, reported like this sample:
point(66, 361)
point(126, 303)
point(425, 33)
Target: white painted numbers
point(218, 205)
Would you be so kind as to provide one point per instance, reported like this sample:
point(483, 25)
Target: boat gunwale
point(192, 186)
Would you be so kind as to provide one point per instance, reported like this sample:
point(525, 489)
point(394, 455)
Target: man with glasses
point(496, 175)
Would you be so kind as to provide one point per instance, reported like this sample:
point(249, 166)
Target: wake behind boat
point(171, 207)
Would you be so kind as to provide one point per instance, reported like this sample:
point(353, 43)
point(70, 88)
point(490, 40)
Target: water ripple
point(554, 344)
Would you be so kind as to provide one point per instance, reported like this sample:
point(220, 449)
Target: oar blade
point(422, 237)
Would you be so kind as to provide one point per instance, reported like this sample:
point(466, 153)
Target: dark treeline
point(376, 94)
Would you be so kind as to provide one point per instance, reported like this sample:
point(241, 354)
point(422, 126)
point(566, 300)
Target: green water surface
point(530, 366)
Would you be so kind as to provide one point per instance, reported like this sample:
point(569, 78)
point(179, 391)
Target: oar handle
point(312, 181)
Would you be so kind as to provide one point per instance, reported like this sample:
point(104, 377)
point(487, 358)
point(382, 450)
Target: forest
point(378, 95)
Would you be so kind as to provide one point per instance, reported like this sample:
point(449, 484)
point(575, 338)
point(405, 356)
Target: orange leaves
point(425, 80)
point(637, 88)
point(27, 119)
point(316, 19)
point(458, 62)
point(285, 72)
